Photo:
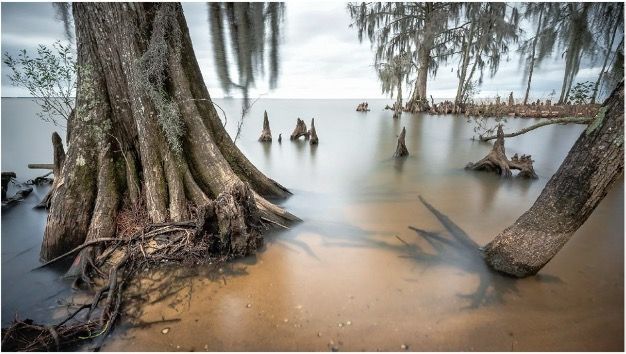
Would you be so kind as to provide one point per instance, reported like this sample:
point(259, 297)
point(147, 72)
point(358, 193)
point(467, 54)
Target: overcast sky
point(321, 56)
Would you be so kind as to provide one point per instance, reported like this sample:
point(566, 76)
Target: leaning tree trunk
point(595, 161)
point(145, 133)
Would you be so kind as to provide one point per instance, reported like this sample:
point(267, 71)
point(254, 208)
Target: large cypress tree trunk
point(595, 161)
point(145, 132)
point(418, 101)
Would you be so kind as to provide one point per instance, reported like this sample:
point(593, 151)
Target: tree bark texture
point(401, 150)
point(299, 130)
point(266, 134)
point(313, 133)
point(118, 149)
point(593, 164)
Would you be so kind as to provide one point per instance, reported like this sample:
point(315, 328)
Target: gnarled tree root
point(227, 227)
point(497, 161)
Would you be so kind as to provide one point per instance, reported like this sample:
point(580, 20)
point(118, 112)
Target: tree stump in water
point(497, 161)
point(299, 131)
point(313, 133)
point(362, 107)
point(401, 150)
point(266, 134)
point(58, 159)
point(6, 178)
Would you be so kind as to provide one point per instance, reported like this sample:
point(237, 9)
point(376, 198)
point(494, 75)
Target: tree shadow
point(463, 253)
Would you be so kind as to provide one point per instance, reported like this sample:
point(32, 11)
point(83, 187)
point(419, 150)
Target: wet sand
point(312, 290)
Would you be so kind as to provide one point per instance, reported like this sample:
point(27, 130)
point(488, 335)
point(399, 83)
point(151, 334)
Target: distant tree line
point(479, 35)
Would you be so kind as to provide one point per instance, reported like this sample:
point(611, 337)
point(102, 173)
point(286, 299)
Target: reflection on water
point(387, 253)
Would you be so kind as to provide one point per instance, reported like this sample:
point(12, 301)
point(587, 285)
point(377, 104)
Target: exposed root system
point(497, 161)
point(229, 226)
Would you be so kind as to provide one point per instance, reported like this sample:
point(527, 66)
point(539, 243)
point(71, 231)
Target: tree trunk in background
point(467, 43)
point(595, 161)
point(397, 107)
point(418, 101)
point(119, 150)
point(563, 96)
point(606, 61)
point(532, 59)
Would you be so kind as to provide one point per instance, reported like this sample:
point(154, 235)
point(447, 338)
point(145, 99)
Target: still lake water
point(352, 275)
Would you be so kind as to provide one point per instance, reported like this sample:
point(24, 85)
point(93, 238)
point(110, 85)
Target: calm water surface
point(353, 275)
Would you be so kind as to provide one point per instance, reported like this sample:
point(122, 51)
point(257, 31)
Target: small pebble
point(249, 305)
point(349, 323)
point(340, 324)
point(206, 347)
point(286, 320)
point(334, 349)
point(404, 347)
point(319, 334)
point(178, 347)
point(165, 330)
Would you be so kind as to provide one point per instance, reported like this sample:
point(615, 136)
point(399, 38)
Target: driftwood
point(41, 166)
point(313, 133)
point(497, 161)
point(401, 150)
point(299, 131)
point(266, 134)
point(20, 195)
point(566, 120)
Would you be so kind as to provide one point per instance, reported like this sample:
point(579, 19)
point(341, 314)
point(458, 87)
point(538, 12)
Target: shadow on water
point(463, 253)
point(267, 149)
point(398, 164)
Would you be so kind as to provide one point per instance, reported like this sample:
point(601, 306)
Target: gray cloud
point(321, 56)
